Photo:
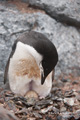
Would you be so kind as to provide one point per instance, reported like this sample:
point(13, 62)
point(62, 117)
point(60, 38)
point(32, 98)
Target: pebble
point(63, 109)
point(44, 102)
point(36, 107)
point(54, 98)
point(56, 105)
point(48, 118)
point(69, 93)
point(1, 100)
point(31, 118)
point(54, 89)
point(60, 84)
point(31, 101)
point(59, 117)
point(69, 101)
point(59, 99)
point(75, 82)
point(37, 115)
point(78, 97)
point(77, 115)
point(65, 80)
point(45, 110)
point(79, 91)
point(55, 110)
point(66, 115)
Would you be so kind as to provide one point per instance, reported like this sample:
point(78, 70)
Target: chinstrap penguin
point(31, 64)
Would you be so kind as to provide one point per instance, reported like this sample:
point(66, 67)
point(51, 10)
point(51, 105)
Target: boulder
point(66, 11)
point(65, 38)
point(7, 114)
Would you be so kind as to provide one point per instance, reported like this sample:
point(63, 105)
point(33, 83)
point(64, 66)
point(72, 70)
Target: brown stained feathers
point(27, 67)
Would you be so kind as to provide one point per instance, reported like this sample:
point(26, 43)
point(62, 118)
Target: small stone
point(45, 110)
point(37, 115)
point(44, 102)
point(69, 101)
point(78, 111)
point(59, 99)
point(54, 98)
point(65, 80)
point(55, 110)
point(1, 100)
point(59, 117)
point(31, 101)
point(37, 107)
point(11, 105)
point(78, 97)
point(66, 116)
point(49, 96)
point(77, 115)
point(60, 84)
point(75, 93)
point(31, 118)
point(63, 109)
point(69, 93)
point(56, 105)
point(48, 118)
point(54, 89)
point(75, 82)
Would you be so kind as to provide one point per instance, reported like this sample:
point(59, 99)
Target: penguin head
point(49, 54)
point(47, 65)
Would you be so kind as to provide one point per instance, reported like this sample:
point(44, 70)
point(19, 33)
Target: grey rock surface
point(67, 11)
point(66, 38)
point(26, 1)
point(6, 114)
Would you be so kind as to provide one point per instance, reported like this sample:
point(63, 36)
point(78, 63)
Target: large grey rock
point(65, 38)
point(12, 23)
point(7, 114)
point(67, 11)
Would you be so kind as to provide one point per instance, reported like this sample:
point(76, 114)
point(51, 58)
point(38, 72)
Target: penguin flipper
point(6, 73)
point(53, 72)
point(6, 80)
point(7, 65)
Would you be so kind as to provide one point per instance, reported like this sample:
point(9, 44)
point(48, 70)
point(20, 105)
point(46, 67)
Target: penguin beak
point(42, 78)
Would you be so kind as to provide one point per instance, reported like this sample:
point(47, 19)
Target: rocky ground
point(62, 104)
point(60, 22)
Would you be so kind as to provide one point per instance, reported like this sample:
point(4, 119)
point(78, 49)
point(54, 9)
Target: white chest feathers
point(25, 61)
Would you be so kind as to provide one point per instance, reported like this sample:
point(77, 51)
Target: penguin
point(31, 64)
